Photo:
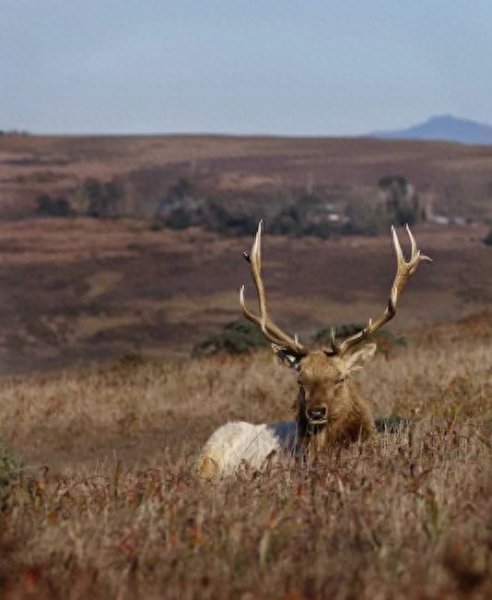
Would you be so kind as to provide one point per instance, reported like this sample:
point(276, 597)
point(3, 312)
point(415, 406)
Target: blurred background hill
point(132, 244)
point(445, 128)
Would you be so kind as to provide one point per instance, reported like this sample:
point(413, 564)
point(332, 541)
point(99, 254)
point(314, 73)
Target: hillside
point(86, 290)
point(78, 289)
point(103, 411)
point(443, 128)
point(108, 506)
point(259, 171)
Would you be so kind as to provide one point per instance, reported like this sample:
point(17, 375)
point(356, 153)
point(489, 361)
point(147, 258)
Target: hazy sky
point(316, 67)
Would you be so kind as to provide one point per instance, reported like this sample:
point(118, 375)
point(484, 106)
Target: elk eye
point(340, 380)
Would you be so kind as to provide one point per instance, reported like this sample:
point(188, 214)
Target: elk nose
point(318, 413)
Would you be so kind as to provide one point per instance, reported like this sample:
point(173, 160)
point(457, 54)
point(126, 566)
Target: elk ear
point(359, 358)
point(287, 357)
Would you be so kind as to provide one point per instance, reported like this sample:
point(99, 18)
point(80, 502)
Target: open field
point(107, 505)
point(80, 290)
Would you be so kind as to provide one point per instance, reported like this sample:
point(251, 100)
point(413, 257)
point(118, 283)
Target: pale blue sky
point(240, 66)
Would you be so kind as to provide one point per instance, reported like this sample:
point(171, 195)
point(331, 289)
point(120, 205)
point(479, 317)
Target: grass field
point(107, 505)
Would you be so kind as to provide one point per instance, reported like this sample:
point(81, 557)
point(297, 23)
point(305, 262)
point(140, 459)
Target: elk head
point(326, 398)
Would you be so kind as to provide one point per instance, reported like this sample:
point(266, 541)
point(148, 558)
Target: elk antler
point(403, 271)
point(271, 331)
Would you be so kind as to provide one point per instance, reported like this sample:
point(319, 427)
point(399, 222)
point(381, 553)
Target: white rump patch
point(238, 443)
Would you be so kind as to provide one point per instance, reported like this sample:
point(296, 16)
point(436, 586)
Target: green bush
point(367, 218)
point(238, 337)
point(323, 335)
point(102, 198)
point(487, 240)
point(47, 206)
point(394, 424)
point(385, 340)
point(308, 215)
point(229, 217)
point(179, 218)
point(182, 188)
point(398, 182)
point(9, 467)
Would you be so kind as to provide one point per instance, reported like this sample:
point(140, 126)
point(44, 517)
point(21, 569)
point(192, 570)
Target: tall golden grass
point(107, 504)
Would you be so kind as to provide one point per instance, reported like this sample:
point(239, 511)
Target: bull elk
point(329, 411)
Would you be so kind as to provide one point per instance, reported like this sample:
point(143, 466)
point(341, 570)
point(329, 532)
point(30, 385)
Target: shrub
point(95, 198)
point(401, 202)
point(323, 335)
point(487, 240)
point(9, 468)
point(308, 215)
point(182, 188)
point(47, 206)
point(156, 225)
point(228, 217)
point(237, 337)
point(102, 198)
point(398, 182)
point(179, 218)
point(178, 209)
point(393, 424)
point(367, 218)
point(385, 340)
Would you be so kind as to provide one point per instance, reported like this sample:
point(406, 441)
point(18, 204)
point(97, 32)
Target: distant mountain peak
point(444, 128)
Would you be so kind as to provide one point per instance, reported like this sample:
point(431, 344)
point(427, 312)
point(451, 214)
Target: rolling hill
point(443, 128)
point(79, 289)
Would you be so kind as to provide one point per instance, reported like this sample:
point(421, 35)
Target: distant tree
point(182, 188)
point(237, 337)
point(402, 203)
point(101, 199)
point(308, 215)
point(386, 341)
point(365, 217)
point(397, 182)
point(179, 218)
point(227, 217)
point(178, 209)
point(47, 206)
point(10, 467)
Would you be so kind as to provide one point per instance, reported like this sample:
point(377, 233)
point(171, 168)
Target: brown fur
point(330, 412)
point(323, 381)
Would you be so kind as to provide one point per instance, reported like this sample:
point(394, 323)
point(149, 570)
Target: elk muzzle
point(317, 415)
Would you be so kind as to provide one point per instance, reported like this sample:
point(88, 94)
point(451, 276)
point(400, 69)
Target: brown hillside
point(457, 176)
point(79, 290)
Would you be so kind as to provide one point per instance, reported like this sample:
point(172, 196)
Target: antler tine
point(271, 331)
point(415, 256)
point(403, 271)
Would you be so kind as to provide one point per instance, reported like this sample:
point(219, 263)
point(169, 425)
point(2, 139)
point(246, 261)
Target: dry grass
point(108, 506)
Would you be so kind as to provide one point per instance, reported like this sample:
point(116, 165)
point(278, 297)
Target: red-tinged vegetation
point(107, 504)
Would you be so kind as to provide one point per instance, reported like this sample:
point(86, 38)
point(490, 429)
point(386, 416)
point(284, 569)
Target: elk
point(329, 411)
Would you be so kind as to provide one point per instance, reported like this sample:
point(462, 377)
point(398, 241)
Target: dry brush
point(107, 505)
